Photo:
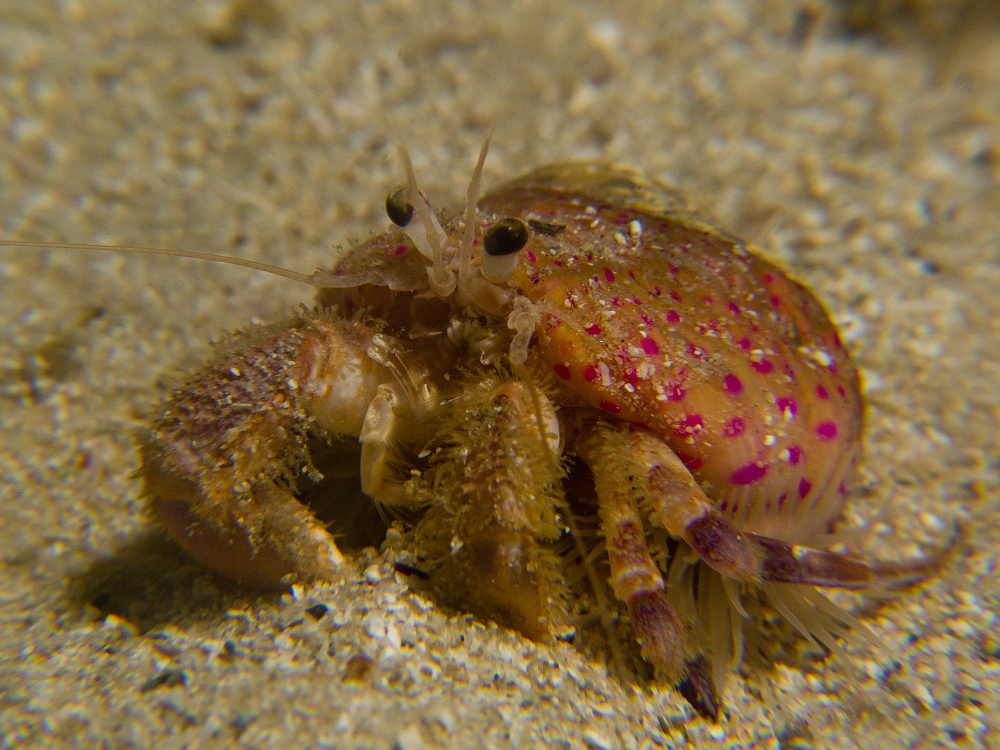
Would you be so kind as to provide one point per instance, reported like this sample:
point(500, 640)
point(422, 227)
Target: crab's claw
point(221, 463)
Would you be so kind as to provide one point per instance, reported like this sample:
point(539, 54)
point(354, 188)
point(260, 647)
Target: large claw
point(221, 463)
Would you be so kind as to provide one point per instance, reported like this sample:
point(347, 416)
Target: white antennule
point(440, 276)
point(314, 280)
point(465, 272)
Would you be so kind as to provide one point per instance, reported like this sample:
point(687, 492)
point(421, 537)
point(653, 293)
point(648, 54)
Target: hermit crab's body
point(666, 324)
point(690, 388)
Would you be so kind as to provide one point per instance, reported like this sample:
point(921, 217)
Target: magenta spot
point(822, 392)
point(744, 344)
point(826, 430)
point(400, 250)
point(531, 257)
point(763, 367)
point(691, 462)
point(804, 486)
point(675, 296)
point(781, 500)
point(649, 346)
point(775, 300)
point(645, 319)
point(673, 317)
point(842, 488)
point(610, 406)
point(590, 374)
point(691, 424)
point(841, 391)
point(594, 330)
point(675, 393)
point(749, 474)
point(657, 291)
point(615, 302)
point(768, 278)
point(734, 308)
point(723, 506)
point(733, 428)
point(695, 351)
point(636, 301)
point(732, 384)
point(557, 263)
point(609, 275)
point(562, 371)
point(631, 274)
point(630, 376)
point(708, 300)
point(795, 455)
point(789, 405)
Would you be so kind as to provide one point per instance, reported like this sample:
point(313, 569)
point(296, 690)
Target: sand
point(867, 164)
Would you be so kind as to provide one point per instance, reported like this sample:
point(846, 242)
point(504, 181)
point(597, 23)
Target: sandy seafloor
point(867, 166)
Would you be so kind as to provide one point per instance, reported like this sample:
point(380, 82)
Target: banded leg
point(221, 462)
point(675, 502)
point(621, 484)
point(635, 579)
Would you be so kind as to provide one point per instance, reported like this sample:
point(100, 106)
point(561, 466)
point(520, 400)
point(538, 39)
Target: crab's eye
point(506, 237)
point(502, 242)
point(398, 206)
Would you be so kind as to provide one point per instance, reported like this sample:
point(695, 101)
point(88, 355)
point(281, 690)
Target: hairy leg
point(493, 485)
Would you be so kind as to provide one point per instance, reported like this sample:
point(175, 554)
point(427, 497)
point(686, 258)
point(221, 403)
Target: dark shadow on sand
point(151, 581)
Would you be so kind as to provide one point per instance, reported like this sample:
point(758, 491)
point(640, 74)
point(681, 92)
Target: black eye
point(506, 237)
point(398, 207)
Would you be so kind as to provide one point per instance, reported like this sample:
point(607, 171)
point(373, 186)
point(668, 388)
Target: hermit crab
point(571, 385)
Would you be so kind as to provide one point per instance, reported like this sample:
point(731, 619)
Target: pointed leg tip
point(698, 688)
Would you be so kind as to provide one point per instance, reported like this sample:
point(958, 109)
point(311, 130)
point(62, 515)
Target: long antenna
point(266, 267)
